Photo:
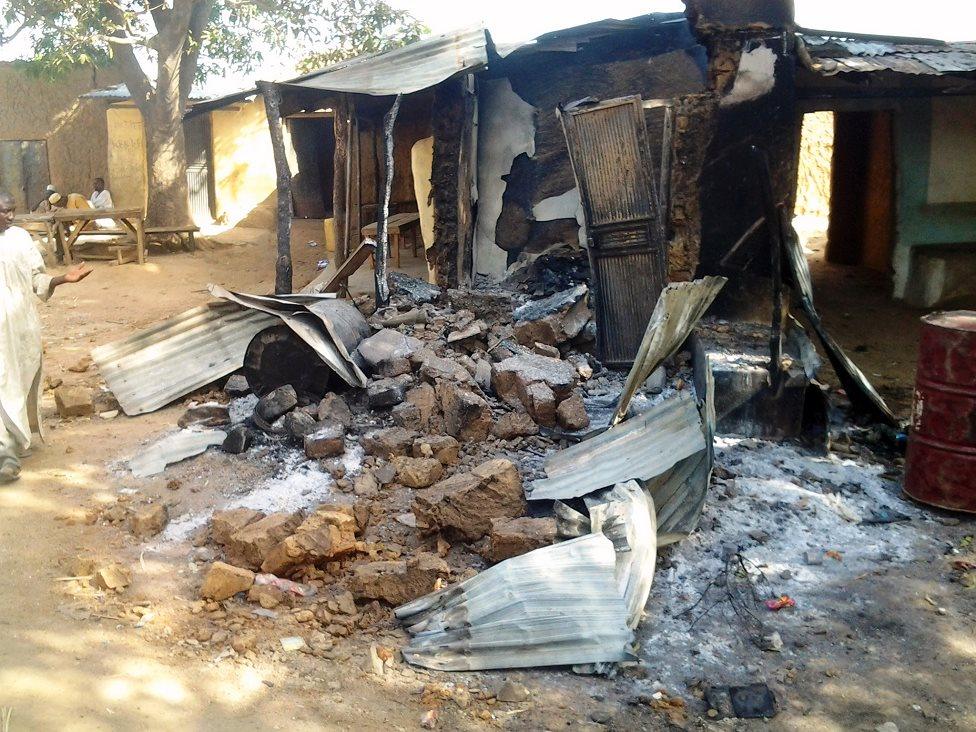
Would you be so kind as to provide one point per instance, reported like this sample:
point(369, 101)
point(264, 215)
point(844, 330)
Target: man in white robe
point(22, 280)
point(100, 197)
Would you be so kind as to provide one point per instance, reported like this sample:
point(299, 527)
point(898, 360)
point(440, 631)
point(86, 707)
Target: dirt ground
point(892, 642)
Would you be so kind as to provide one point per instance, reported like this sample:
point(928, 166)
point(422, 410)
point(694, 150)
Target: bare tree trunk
point(283, 266)
point(382, 233)
point(167, 200)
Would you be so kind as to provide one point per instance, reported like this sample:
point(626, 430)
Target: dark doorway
point(862, 198)
point(313, 139)
point(24, 171)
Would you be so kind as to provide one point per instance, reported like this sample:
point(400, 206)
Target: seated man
point(50, 204)
point(43, 206)
point(100, 198)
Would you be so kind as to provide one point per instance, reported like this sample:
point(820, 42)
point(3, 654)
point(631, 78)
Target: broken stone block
point(433, 368)
point(413, 288)
point(514, 424)
point(512, 537)
point(418, 472)
point(575, 319)
point(388, 352)
point(467, 416)
point(545, 331)
point(225, 580)
point(469, 334)
point(509, 378)
point(250, 545)
point(408, 416)
point(482, 375)
point(442, 447)
point(298, 424)
point(146, 521)
point(73, 401)
point(543, 350)
point(236, 385)
point(424, 398)
point(398, 581)
point(384, 393)
point(205, 415)
point(276, 403)
point(328, 534)
point(267, 596)
point(571, 414)
point(238, 440)
point(366, 485)
point(105, 401)
point(112, 577)
point(333, 408)
point(465, 503)
point(225, 523)
point(387, 442)
point(328, 440)
point(582, 365)
point(539, 401)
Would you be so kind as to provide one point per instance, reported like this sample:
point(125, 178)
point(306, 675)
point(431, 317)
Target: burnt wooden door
point(24, 171)
point(614, 171)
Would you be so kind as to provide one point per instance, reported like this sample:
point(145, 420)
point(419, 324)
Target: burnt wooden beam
point(283, 265)
point(382, 233)
point(466, 174)
point(340, 185)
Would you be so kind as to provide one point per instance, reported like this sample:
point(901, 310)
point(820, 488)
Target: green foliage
point(237, 34)
point(359, 27)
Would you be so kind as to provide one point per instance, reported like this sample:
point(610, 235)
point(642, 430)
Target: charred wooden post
point(465, 183)
point(382, 234)
point(447, 128)
point(340, 186)
point(283, 266)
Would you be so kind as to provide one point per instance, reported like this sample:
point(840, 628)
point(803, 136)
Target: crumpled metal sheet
point(864, 398)
point(559, 605)
point(678, 308)
point(173, 449)
point(640, 448)
point(625, 514)
point(148, 370)
point(333, 328)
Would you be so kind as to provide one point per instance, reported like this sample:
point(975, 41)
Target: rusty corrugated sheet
point(845, 53)
point(150, 369)
point(611, 160)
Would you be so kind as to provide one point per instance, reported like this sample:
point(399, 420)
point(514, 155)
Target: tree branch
point(199, 19)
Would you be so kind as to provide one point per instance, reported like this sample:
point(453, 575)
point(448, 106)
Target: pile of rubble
point(446, 423)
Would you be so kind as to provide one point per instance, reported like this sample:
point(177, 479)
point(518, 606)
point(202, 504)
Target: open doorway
point(313, 139)
point(862, 190)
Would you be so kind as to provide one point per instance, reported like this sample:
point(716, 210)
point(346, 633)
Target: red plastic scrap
point(780, 602)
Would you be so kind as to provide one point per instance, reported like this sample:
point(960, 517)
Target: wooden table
point(396, 224)
point(73, 223)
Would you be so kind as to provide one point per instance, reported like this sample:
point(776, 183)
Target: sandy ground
point(868, 644)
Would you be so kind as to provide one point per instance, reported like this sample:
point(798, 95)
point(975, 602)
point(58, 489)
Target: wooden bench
point(396, 225)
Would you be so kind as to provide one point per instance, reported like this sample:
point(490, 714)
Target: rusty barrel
point(940, 466)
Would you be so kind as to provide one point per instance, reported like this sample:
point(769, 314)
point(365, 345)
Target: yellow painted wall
point(126, 157)
point(243, 163)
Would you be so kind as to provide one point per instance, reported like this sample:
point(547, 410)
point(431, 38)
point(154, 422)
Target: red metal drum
point(941, 463)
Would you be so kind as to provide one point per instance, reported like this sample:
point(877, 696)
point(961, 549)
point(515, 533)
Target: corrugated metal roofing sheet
point(640, 448)
point(412, 68)
point(833, 54)
point(150, 369)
